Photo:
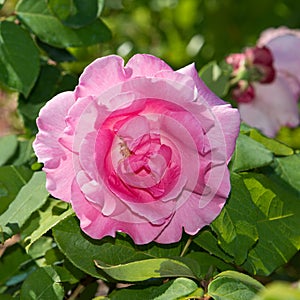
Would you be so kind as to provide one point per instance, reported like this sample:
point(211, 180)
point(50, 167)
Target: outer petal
point(102, 74)
point(57, 159)
point(229, 118)
point(96, 225)
point(146, 65)
point(274, 106)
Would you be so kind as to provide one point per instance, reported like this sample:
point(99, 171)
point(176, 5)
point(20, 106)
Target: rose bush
point(140, 149)
point(268, 98)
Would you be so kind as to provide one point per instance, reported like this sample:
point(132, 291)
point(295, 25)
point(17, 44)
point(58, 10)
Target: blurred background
point(183, 31)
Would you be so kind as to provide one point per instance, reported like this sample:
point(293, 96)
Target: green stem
point(186, 246)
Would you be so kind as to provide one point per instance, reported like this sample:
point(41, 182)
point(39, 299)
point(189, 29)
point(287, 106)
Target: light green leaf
point(275, 146)
point(8, 146)
point(44, 283)
point(231, 285)
point(173, 289)
point(30, 198)
point(48, 217)
point(249, 154)
point(19, 58)
point(146, 269)
point(11, 180)
point(278, 222)
point(288, 169)
point(37, 16)
point(278, 291)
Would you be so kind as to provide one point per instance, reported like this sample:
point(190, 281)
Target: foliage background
point(258, 231)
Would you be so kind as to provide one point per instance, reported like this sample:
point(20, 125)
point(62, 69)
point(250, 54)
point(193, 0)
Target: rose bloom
point(140, 149)
point(274, 101)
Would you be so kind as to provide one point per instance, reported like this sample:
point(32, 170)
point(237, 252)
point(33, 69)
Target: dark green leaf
point(204, 265)
point(73, 242)
point(19, 58)
point(37, 16)
point(8, 146)
point(146, 269)
point(74, 13)
point(30, 198)
point(11, 180)
point(209, 242)
point(56, 54)
point(44, 284)
point(173, 289)
point(249, 154)
point(11, 262)
point(231, 285)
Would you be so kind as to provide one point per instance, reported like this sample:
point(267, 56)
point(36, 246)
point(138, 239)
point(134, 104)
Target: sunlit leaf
point(231, 285)
point(146, 269)
point(30, 198)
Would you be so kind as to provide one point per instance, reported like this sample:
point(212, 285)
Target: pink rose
point(274, 100)
point(140, 149)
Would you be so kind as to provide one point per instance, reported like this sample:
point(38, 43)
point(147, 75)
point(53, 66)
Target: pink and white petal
point(146, 65)
point(56, 158)
point(97, 226)
point(191, 218)
point(228, 119)
point(102, 74)
point(274, 106)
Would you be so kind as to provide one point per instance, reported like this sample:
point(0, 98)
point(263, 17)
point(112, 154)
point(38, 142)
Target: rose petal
point(57, 160)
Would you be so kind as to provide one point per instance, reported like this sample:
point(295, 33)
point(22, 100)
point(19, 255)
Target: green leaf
point(30, 198)
point(74, 13)
point(235, 226)
point(173, 289)
point(231, 285)
point(278, 222)
point(288, 169)
point(206, 240)
point(215, 78)
point(37, 16)
point(249, 154)
point(278, 291)
point(275, 146)
point(73, 242)
point(49, 216)
point(146, 269)
point(260, 222)
point(44, 283)
point(11, 262)
point(11, 180)
point(19, 58)
point(204, 265)
point(8, 146)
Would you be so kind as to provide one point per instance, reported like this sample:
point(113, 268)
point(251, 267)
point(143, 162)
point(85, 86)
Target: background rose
point(140, 149)
point(274, 103)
